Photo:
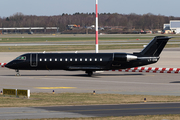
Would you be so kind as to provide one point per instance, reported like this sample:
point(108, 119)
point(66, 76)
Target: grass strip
point(62, 48)
point(58, 99)
point(70, 39)
point(50, 48)
point(64, 39)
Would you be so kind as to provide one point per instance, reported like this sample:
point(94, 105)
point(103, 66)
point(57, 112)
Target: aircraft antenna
point(96, 26)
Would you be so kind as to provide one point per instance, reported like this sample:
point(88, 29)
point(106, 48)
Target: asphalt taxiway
point(89, 111)
point(107, 82)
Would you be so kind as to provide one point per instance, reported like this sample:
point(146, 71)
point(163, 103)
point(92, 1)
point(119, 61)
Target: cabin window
point(71, 59)
point(56, 59)
point(40, 59)
point(21, 58)
point(95, 59)
point(80, 59)
point(100, 59)
point(85, 59)
point(66, 59)
point(90, 59)
point(45, 59)
point(50, 59)
point(61, 59)
point(76, 59)
point(17, 58)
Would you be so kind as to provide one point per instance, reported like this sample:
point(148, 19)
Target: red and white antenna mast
point(96, 26)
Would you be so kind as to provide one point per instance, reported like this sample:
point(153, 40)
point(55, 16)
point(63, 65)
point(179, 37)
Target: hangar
point(175, 26)
point(172, 27)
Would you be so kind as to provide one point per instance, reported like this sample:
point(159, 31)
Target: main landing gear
point(17, 73)
point(90, 73)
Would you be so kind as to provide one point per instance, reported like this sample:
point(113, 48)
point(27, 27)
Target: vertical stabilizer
point(155, 47)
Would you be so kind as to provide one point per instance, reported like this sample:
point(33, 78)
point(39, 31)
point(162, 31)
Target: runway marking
point(55, 87)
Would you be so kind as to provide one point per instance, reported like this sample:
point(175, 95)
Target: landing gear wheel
point(17, 73)
point(90, 73)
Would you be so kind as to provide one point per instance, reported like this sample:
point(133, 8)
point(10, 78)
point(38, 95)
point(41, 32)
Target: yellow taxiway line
point(55, 87)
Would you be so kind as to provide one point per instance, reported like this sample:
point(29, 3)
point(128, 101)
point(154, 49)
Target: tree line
point(129, 21)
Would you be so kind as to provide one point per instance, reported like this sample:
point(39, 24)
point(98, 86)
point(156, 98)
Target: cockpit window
point(21, 58)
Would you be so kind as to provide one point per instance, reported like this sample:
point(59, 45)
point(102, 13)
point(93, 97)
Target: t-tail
point(150, 54)
point(155, 47)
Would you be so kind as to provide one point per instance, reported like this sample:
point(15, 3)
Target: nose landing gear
point(17, 73)
point(90, 73)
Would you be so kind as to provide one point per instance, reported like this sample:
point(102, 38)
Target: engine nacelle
point(122, 57)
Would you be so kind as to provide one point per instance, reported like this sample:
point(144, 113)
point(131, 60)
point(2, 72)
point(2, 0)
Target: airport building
point(29, 30)
point(175, 26)
point(172, 27)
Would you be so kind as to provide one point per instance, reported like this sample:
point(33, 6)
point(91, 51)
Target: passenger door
point(34, 60)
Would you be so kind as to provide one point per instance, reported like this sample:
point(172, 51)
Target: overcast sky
point(57, 7)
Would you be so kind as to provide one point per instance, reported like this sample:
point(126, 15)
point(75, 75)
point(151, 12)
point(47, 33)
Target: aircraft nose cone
point(9, 65)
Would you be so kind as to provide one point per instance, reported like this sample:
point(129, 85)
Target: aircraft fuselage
point(77, 61)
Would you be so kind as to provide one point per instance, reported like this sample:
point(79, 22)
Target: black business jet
point(89, 62)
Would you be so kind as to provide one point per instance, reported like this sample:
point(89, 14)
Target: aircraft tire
point(90, 73)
